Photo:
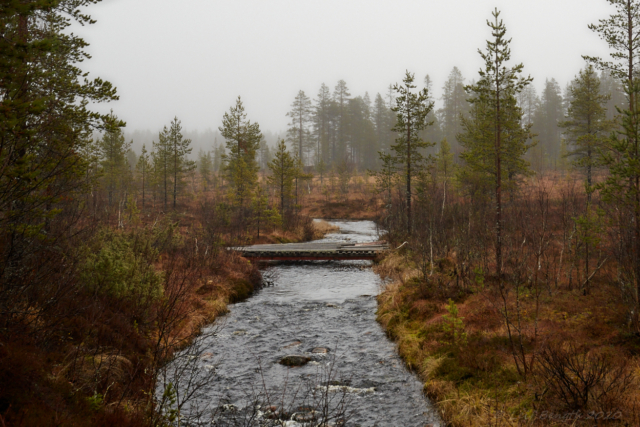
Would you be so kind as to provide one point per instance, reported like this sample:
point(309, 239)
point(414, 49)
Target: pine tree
point(386, 177)
point(283, 174)
point(45, 116)
point(143, 167)
point(298, 132)
point(455, 106)
point(341, 98)
point(263, 215)
point(179, 150)
point(587, 125)
point(549, 114)
point(321, 123)
point(621, 31)
point(162, 163)
point(494, 138)
point(205, 167)
point(411, 111)
point(113, 159)
point(243, 140)
point(382, 124)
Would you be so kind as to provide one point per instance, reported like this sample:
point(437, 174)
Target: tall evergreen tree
point(549, 114)
point(205, 167)
point(143, 167)
point(455, 106)
point(341, 98)
point(113, 159)
point(243, 140)
point(283, 174)
point(621, 31)
point(411, 111)
point(180, 148)
point(162, 160)
point(298, 132)
point(495, 133)
point(587, 126)
point(321, 123)
point(383, 121)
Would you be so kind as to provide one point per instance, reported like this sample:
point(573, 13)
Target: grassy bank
point(127, 300)
point(560, 357)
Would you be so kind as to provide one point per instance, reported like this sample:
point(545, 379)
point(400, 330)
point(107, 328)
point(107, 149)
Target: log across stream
point(304, 351)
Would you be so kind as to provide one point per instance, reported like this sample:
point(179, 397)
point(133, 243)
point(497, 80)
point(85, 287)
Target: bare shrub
point(584, 379)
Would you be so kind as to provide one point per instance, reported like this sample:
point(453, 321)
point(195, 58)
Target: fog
point(191, 59)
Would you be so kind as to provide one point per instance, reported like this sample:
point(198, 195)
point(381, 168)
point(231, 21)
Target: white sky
point(192, 58)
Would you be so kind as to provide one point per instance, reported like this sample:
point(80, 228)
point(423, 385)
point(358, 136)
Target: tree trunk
point(409, 227)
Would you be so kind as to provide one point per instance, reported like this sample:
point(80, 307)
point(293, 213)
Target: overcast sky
point(192, 58)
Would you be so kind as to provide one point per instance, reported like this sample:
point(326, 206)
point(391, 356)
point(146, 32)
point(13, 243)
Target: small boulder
point(320, 350)
point(294, 360)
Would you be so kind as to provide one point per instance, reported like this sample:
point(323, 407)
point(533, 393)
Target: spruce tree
point(341, 98)
point(587, 126)
point(455, 106)
point(321, 123)
point(494, 138)
point(298, 132)
point(412, 109)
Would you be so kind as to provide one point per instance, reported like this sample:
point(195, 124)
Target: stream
point(323, 314)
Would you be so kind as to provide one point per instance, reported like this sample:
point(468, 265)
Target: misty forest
point(504, 291)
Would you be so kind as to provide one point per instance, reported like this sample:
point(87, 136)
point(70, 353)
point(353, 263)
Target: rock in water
point(320, 350)
point(294, 360)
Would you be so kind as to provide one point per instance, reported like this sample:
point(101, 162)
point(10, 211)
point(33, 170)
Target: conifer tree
point(205, 167)
point(548, 115)
point(621, 31)
point(143, 167)
point(243, 140)
point(587, 126)
point(321, 123)
point(298, 132)
point(179, 150)
point(45, 115)
point(341, 98)
point(113, 159)
point(386, 177)
point(411, 111)
point(494, 138)
point(283, 174)
point(162, 162)
point(263, 215)
point(455, 106)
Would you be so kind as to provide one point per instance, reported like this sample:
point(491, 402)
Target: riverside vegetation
point(516, 295)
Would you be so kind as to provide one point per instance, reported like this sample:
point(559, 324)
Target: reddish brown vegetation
point(554, 338)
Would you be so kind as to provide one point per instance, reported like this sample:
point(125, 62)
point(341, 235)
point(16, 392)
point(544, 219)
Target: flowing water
point(324, 312)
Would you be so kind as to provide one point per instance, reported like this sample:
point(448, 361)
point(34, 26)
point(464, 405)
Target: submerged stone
point(294, 360)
